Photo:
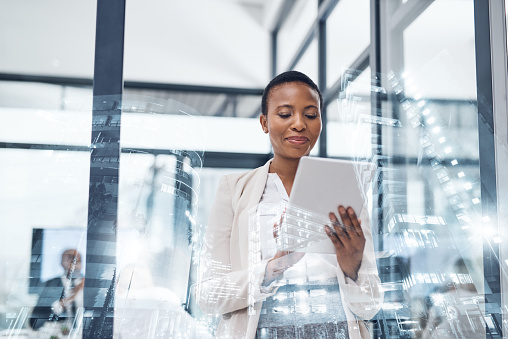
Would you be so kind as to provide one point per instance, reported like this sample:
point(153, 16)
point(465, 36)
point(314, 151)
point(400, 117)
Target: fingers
point(338, 228)
point(345, 218)
point(275, 231)
point(276, 226)
point(337, 243)
point(351, 222)
point(357, 224)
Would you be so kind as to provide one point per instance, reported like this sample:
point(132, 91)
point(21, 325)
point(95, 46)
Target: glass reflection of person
point(61, 296)
point(453, 309)
point(291, 116)
point(138, 299)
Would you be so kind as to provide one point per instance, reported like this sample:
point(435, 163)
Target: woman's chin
point(296, 155)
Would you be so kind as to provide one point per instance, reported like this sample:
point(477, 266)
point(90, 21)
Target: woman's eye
point(311, 116)
point(284, 115)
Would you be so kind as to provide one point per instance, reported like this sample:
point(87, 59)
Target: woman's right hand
point(281, 261)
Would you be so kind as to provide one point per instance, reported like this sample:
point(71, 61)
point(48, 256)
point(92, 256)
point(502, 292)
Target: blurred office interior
point(117, 120)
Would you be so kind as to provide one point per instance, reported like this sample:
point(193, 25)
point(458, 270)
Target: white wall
point(439, 51)
point(209, 42)
point(52, 37)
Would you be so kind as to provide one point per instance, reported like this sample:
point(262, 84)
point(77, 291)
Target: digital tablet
point(320, 186)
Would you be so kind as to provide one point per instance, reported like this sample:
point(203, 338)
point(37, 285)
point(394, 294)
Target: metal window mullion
point(323, 152)
point(375, 61)
point(405, 14)
point(325, 9)
point(101, 274)
point(82, 82)
point(192, 88)
point(360, 63)
point(376, 105)
point(484, 79)
point(303, 48)
point(284, 9)
point(499, 58)
point(273, 52)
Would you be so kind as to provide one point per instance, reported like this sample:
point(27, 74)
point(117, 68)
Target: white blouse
point(313, 266)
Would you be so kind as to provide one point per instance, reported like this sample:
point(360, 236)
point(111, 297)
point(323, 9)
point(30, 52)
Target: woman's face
point(293, 120)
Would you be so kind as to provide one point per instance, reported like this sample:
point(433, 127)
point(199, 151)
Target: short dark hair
point(287, 77)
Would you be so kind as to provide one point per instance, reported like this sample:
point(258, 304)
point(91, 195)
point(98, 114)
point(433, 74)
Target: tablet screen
point(320, 186)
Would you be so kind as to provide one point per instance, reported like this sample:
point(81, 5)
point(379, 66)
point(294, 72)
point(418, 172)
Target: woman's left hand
point(348, 240)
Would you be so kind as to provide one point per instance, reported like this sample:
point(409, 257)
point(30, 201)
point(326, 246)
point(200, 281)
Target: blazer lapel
point(257, 188)
point(259, 185)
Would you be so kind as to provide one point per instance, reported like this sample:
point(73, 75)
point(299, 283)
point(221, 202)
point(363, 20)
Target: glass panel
point(222, 118)
point(210, 133)
point(309, 61)
point(296, 25)
point(425, 214)
point(208, 104)
point(308, 64)
point(429, 207)
point(342, 120)
point(47, 49)
point(162, 152)
point(45, 114)
point(220, 43)
point(342, 47)
point(162, 149)
point(45, 168)
point(44, 207)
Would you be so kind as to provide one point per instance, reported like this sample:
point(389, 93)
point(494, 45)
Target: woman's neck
point(286, 170)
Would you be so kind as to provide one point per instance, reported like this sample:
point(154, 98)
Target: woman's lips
point(297, 140)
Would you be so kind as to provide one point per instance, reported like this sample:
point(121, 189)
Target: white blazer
point(223, 281)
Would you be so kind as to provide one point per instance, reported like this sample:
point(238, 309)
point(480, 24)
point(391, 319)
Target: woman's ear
point(264, 123)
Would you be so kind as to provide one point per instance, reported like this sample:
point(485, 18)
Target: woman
point(291, 116)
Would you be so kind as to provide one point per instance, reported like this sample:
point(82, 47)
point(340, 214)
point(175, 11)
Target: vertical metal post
point(100, 276)
point(273, 37)
point(484, 76)
point(376, 104)
point(499, 60)
point(284, 9)
point(323, 152)
point(376, 109)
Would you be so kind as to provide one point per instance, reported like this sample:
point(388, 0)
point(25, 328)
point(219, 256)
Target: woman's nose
point(298, 123)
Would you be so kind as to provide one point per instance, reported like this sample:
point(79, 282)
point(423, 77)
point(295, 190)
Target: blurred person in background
point(61, 296)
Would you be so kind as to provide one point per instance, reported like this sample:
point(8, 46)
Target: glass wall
point(105, 201)
point(45, 171)
point(429, 203)
point(197, 42)
point(339, 27)
point(293, 31)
